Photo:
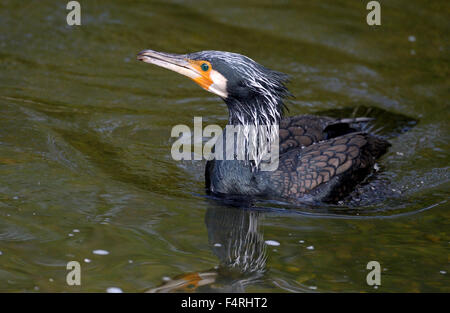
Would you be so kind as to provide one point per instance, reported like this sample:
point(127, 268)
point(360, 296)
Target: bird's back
point(320, 159)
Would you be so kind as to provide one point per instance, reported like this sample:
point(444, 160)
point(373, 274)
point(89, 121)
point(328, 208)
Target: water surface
point(86, 172)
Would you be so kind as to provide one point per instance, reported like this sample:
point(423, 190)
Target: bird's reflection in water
point(235, 237)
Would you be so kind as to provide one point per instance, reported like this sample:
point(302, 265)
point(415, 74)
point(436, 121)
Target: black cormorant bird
point(320, 158)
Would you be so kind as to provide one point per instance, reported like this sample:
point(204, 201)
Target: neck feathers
point(259, 99)
point(259, 108)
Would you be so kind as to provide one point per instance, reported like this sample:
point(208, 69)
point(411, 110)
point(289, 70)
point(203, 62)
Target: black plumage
point(320, 158)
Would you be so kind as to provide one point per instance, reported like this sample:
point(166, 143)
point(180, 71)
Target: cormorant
point(320, 158)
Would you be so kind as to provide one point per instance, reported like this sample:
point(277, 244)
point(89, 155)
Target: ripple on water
point(15, 233)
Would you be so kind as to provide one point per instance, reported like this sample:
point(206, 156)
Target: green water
point(85, 159)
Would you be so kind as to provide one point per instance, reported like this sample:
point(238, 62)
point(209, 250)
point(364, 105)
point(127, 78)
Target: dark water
point(85, 159)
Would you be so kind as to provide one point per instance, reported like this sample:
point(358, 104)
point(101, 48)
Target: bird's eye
point(205, 67)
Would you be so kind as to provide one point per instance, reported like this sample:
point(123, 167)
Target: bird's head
point(253, 93)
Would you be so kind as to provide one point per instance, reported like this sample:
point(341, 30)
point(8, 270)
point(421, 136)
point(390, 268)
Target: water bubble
point(272, 243)
point(114, 290)
point(100, 252)
point(217, 245)
point(87, 260)
point(310, 247)
point(411, 38)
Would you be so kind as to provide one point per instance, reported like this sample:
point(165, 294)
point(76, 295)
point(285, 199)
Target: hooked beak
point(181, 64)
point(174, 62)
